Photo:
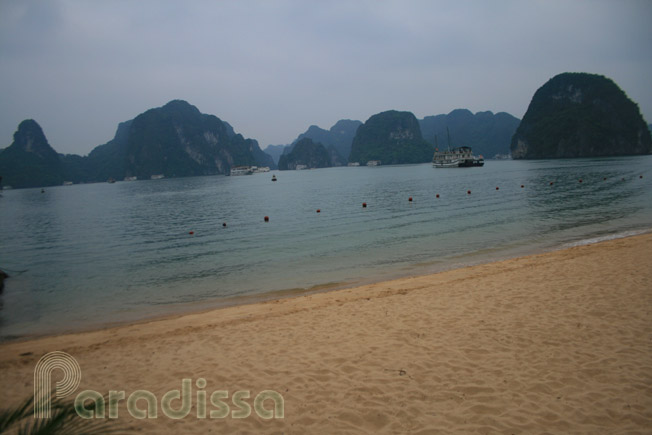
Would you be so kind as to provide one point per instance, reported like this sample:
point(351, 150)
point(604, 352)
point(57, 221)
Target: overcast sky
point(272, 68)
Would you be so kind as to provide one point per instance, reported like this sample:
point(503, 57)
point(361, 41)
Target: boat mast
point(448, 133)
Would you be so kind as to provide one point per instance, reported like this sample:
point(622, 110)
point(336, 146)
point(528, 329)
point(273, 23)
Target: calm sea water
point(88, 255)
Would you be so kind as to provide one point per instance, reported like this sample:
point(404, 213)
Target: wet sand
point(559, 342)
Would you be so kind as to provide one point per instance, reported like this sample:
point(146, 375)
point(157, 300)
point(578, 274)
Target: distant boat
point(111, 180)
point(273, 177)
point(373, 163)
point(353, 164)
point(67, 183)
point(301, 167)
point(241, 170)
point(460, 157)
point(157, 176)
point(261, 169)
point(131, 178)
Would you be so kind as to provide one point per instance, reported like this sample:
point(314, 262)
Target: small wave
point(607, 237)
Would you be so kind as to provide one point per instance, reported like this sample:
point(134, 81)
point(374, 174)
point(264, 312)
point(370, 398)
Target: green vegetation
point(393, 138)
point(305, 152)
point(63, 420)
point(581, 115)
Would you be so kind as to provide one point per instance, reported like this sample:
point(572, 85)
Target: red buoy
point(224, 224)
point(364, 205)
point(437, 196)
point(522, 186)
point(266, 218)
point(497, 188)
point(640, 176)
point(410, 199)
point(191, 232)
point(604, 179)
point(318, 210)
point(580, 180)
point(551, 183)
point(468, 192)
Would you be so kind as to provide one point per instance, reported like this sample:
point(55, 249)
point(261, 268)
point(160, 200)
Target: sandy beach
point(559, 342)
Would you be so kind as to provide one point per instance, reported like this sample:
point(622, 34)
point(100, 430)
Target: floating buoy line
point(411, 199)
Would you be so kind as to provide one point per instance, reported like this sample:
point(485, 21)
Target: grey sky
point(272, 68)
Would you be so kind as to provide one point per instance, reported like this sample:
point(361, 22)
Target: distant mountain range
point(487, 133)
point(175, 140)
point(574, 114)
point(306, 153)
point(337, 141)
point(178, 140)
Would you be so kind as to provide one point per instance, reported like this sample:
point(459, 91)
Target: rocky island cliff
point(393, 138)
point(30, 161)
point(580, 115)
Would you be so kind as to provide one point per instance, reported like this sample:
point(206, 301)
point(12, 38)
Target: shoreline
point(554, 342)
point(218, 303)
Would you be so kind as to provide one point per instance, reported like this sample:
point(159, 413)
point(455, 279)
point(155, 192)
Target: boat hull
point(465, 163)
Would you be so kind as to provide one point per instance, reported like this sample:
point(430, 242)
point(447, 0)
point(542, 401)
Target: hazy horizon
point(272, 69)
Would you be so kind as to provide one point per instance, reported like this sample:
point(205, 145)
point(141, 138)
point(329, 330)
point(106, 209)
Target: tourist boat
point(460, 157)
point(373, 163)
point(241, 170)
point(157, 177)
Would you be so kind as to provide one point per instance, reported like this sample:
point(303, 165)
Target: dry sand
point(558, 343)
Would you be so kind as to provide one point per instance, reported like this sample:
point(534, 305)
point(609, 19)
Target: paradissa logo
point(142, 403)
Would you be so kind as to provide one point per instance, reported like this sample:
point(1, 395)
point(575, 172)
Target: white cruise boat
point(460, 157)
point(242, 170)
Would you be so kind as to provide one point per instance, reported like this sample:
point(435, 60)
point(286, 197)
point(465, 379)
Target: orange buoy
point(364, 205)
point(191, 232)
point(266, 218)
point(410, 199)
